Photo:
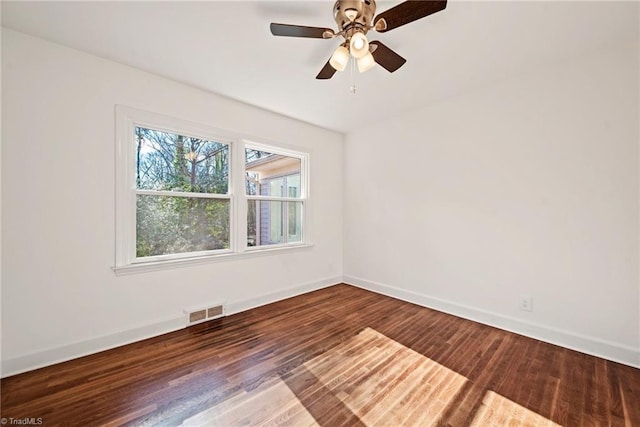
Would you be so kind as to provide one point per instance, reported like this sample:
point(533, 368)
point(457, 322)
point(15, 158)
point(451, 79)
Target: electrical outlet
point(526, 303)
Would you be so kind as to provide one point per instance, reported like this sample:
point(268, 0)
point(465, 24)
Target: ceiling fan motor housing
point(364, 11)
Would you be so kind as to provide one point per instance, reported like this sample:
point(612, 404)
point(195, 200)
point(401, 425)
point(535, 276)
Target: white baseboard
point(52, 356)
point(584, 344)
point(55, 355)
point(589, 345)
point(245, 305)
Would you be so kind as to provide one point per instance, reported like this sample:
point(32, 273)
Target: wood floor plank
point(337, 356)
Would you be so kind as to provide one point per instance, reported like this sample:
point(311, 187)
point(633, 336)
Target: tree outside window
point(175, 176)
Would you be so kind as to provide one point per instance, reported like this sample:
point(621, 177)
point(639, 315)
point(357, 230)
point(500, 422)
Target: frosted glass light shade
point(359, 45)
point(340, 58)
point(366, 63)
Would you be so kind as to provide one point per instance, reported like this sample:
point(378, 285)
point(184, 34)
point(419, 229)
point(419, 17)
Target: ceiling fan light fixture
point(340, 58)
point(355, 18)
point(359, 45)
point(366, 62)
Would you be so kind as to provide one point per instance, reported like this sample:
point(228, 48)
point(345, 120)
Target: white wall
point(60, 295)
point(527, 187)
point(530, 186)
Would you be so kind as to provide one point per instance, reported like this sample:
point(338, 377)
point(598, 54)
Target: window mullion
point(239, 214)
point(276, 198)
point(182, 194)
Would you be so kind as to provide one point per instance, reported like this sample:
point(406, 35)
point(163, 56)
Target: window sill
point(145, 267)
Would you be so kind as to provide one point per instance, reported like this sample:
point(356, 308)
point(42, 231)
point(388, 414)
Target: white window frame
point(126, 262)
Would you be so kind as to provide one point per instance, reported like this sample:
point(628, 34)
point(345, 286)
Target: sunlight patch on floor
point(497, 410)
point(369, 379)
point(271, 404)
point(383, 382)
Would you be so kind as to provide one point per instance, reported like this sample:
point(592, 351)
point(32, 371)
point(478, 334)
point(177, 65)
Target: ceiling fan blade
point(384, 56)
point(327, 72)
point(407, 12)
point(287, 30)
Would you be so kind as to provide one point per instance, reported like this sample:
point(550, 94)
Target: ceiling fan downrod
point(350, 14)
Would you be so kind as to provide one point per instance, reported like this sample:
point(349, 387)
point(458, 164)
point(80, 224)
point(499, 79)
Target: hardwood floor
point(281, 356)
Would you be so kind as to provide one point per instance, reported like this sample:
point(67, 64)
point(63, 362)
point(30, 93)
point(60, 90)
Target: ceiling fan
point(355, 18)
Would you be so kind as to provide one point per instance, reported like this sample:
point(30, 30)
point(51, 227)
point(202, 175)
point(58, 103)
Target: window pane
point(267, 174)
point(170, 162)
point(273, 222)
point(173, 225)
point(293, 185)
point(294, 221)
point(275, 187)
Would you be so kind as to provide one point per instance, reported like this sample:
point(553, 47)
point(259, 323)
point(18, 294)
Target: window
point(182, 199)
point(180, 194)
point(274, 197)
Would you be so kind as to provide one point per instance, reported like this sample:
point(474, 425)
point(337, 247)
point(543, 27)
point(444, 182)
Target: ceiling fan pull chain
point(352, 87)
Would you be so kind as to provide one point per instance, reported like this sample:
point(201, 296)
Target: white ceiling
point(226, 48)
